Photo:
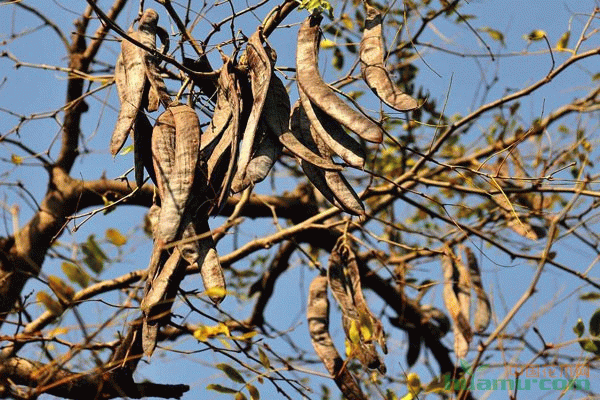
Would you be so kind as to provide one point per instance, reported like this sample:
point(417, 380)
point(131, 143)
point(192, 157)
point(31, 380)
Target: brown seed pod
point(131, 99)
point(373, 68)
point(317, 314)
point(266, 152)
point(331, 184)
point(142, 149)
point(310, 81)
point(461, 328)
point(260, 71)
point(360, 324)
point(147, 30)
point(483, 309)
point(331, 132)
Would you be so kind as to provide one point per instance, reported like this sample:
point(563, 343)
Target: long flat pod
point(317, 315)
point(373, 68)
point(340, 143)
point(147, 30)
point(293, 138)
point(260, 71)
point(483, 309)
point(174, 197)
point(142, 149)
point(218, 123)
point(133, 67)
point(317, 90)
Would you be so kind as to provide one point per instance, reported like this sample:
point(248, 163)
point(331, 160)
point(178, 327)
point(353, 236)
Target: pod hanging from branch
point(310, 81)
point(373, 68)
point(317, 314)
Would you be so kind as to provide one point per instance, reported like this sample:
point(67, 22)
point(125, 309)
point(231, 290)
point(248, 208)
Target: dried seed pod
point(292, 140)
point(310, 81)
point(333, 134)
point(317, 314)
point(373, 68)
point(131, 99)
point(360, 324)
point(461, 328)
point(266, 152)
point(147, 30)
point(483, 309)
point(260, 71)
point(331, 184)
point(142, 149)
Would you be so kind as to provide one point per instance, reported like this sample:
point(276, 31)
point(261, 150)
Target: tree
point(458, 202)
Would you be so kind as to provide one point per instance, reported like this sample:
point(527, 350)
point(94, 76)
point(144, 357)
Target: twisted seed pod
point(147, 35)
point(317, 314)
point(142, 149)
point(373, 68)
point(131, 71)
point(334, 188)
point(330, 132)
point(310, 81)
point(260, 71)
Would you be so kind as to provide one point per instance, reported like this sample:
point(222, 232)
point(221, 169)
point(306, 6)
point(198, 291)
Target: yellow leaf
point(494, 34)
point(348, 348)
point(216, 291)
point(327, 44)
point(63, 291)
point(75, 274)
point(347, 21)
point(536, 34)
point(245, 336)
point(51, 305)
point(115, 237)
point(563, 42)
point(353, 333)
point(15, 159)
point(57, 331)
point(126, 150)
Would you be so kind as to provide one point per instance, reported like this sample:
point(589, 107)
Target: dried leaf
point(115, 237)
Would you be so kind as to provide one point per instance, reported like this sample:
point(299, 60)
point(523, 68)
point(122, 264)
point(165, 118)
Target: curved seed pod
point(147, 35)
point(142, 149)
point(260, 73)
point(292, 140)
point(317, 314)
point(150, 99)
point(133, 66)
point(361, 326)
point(333, 134)
point(218, 123)
point(373, 69)
point(335, 183)
point(317, 90)
point(267, 151)
point(121, 79)
point(175, 195)
point(483, 310)
point(461, 327)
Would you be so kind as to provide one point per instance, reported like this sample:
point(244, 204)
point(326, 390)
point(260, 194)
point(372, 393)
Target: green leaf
point(115, 237)
point(220, 388)
point(94, 256)
point(264, 359)
point(327, 44)
point(590, 296)
point(75, 274)
point(579, 328)
point(595, 323)
point(254, 394)
point(231, 373)
point(316, 6)
point(63, 291)
point(589, 346)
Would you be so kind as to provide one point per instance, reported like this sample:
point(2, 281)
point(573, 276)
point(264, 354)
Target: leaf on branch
point(231, 373)
point(75, 274)
point(563, 42)
point(15, 159)
point(51, 305)
point(63, 291)
point(535, 35)
point(115, 237)
point(494, 34)
point(94, 256)
point(221, 388)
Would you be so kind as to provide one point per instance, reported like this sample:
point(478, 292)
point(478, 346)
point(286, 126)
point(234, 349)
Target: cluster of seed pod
point(195, 171)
